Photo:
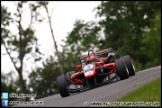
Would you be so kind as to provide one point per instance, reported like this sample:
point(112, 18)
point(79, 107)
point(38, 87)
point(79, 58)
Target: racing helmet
point(92, 57)
point(111, 55)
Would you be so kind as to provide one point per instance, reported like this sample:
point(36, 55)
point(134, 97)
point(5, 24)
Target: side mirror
point(78, 66)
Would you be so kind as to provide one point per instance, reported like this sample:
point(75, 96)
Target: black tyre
point(129, 64)
point(121, 69)
point(61, 83)
point(68, 75)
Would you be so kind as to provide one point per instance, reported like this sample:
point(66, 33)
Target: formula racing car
point(96, 68)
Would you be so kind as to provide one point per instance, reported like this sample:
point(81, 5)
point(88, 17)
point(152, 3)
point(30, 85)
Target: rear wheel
point(121, 69)
point(129, 64)
point(61, 83)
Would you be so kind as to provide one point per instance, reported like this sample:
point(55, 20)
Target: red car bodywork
point(97, 64)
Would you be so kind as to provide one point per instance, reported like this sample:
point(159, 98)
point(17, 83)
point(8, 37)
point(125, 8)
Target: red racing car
point(96, 68)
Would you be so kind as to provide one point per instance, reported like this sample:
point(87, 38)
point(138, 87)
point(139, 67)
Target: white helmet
point(111, 55)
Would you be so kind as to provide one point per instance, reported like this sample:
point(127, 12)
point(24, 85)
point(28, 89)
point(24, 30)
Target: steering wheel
point(93, 54)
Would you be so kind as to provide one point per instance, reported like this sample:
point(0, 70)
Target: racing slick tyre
point(121, 69)
point(68, 76)
point(129, 64)
point(61, 83)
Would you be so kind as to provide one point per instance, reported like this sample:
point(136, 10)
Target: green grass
point(147, 95)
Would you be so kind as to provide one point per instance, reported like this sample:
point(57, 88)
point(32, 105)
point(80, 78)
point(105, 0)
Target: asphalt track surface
point(105, 93)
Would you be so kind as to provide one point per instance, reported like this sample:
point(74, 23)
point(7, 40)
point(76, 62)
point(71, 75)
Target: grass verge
point(147, 95)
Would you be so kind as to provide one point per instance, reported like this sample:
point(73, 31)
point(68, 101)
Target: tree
point(83, 37)
point(43, 79)
point(45, 5)
point(19, 46)
point(7, 84)
point(125, 22)
point(152, 41)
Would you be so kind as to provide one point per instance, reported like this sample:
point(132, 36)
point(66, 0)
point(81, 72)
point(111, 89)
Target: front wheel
point(68, 76)
point(61, 83)
point(121, 69)
point(129, 64)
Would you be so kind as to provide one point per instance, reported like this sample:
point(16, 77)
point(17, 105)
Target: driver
point(91, 59)
point(109, 59)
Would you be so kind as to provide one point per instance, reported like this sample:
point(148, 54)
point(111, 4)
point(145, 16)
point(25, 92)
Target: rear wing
point(97, 53)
